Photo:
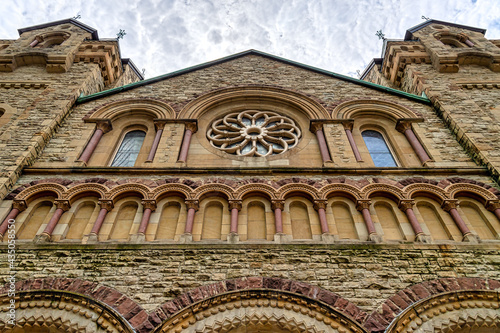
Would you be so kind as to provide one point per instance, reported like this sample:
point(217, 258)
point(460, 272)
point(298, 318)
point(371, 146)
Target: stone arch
point(289, 189)
point(397, 313)
point(250, 189)
point(428, 190)
point(269, 299)
point(472, 190)
point(166, 189)
point(119, 312)
point(343, 189)
point(352, 109)
point(152, 108)
point(40, 189)
point(80, 190)
point(204, 190)
point(311, 108)
point(390, 191)
point(135, 189)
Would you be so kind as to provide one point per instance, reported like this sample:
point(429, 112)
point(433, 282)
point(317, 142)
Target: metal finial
point(78, 16)
point(143, 71)
point(380, 35)
point(425, 18)
point(359, 73)
point(120, 34)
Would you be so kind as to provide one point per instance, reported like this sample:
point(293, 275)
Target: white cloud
point(337, 35)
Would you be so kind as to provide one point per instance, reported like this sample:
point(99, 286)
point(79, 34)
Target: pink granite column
point(102, 127)
point(159, 131)
point(192, 206)
point(62, 206)
point(407, 207)
point(106, 206)
point(450, 206)
point(149, 207)
point(317, 128)
point(35, 41)
point(348, 125)
point(364, 207)
point(405, 128)
point(191, 128)
point(320, 206)
point(17, 207)
point(491, 205)
point(234, 207)
point(278, 206)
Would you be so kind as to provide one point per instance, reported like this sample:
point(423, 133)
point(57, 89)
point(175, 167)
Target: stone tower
point(250, 193)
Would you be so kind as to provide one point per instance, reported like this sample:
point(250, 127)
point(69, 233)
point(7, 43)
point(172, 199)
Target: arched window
point(378, 149)
point(129, 149)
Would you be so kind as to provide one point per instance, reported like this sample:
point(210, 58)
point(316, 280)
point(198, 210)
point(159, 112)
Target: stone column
point(38, 39)
point(492, 206)
point(348, 125)
point(450, 206)
point(234, 207)
point(148, 206)
point(465, 39)
point(192, 206)
point(407, 206)
point(277, 206)
point(106, 206)
point(62, 206)
point(320, 206)
point(317, 128)
point(404, 126)
point(102, 127)
point(17, 207)
point(159, 125)
point(191, 127)
point(364, 207)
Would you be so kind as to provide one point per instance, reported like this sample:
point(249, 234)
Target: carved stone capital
point(193, 204)
point(104, 125)
point(348, 124)
point(320, 204)
point(106, 204)
point(235, 204)
point(151, 204)
point(363, 204)
point(191, 125)
point(403, 125)
point(159, 124)
point(21, 205)
point(462, 37)
point(492, 205)
point(449, 204)
point(62, 204)
point(278, 204)
point(316, 125)
point(405, 204)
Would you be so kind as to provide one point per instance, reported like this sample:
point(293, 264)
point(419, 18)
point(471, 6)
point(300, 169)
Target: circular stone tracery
point(254, 133)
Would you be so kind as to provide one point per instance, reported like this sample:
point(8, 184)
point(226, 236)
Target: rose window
point(254, 133)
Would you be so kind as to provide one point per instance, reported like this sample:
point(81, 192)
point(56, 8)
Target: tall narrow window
point(129, 149)
point(378, 149)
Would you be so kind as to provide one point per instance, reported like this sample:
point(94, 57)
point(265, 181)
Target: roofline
point(409, 32)
point(72, 21)
point(128, 61)
point(84, 99)
point(373, 62)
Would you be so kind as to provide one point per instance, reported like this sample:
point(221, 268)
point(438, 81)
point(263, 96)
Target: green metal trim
point(113, 91)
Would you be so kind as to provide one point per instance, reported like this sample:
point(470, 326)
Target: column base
point(423, 238)
point(138, 238)
point(186, 238)
point(90, 239)
point(470, 238)
point(43, 238)
point(329, 164)
point(328, 238)
point(233, 238)
point(281, 238)
point(375, 238)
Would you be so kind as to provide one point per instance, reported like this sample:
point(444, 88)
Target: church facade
point(250, 193)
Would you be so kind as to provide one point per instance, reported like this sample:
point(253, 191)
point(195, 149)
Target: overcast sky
point(336, 35)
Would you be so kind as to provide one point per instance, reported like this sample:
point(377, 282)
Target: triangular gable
point(66, 21)
point(409, 32)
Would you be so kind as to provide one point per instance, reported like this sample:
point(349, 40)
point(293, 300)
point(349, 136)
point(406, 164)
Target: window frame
point(387, 142)
point(120, 142)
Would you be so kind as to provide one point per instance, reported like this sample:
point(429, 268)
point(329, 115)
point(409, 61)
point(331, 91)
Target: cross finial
point(77, 16)
point(380, 35)
point(120, 34)
point(143, 71)
point(425, 18)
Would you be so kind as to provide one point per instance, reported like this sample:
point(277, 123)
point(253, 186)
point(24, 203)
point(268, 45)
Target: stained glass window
point(129, 149)
point(379, 151)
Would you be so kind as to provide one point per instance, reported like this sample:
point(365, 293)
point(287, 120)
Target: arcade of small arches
point(255, 212)
point(251, 305)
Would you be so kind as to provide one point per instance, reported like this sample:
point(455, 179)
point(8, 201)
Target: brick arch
point(123, 189)
point(79, 190)
point(308, 106)
point(385, 189)
point(163, 190)
point(350, 191)
point(429, 190)
point(470, 190)
point(310, 293)
point(132, 312)
point(150, 107)
point(203, 190)
point(286, 190)
point(33, 191)
point(354, 108)
point(268, 191)
point(381, 317)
